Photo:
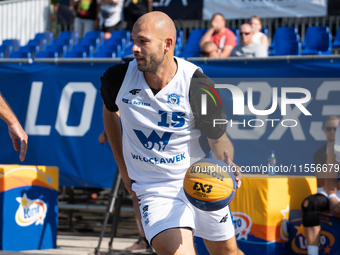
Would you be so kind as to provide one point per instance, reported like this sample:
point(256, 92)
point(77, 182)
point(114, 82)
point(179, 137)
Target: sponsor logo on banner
point(30, 211)
point(242, 224)
point(299, 245)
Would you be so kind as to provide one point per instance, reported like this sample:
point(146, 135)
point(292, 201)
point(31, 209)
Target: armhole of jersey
point(119, 79)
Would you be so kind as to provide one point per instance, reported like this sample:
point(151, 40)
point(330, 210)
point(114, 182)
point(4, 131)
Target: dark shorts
point(110, 29)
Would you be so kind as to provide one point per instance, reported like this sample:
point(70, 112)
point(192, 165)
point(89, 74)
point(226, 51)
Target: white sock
point(313, 250)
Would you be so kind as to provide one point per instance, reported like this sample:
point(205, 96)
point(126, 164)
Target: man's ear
point(169, 44)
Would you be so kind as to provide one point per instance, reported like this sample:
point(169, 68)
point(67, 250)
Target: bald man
point(247, 48)
point(154, 129)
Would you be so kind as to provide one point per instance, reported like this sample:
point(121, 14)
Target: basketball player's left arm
point(223, 149)
point(218, 146)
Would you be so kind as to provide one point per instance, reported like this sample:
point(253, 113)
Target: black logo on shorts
point(225, 218)
point(134, 91)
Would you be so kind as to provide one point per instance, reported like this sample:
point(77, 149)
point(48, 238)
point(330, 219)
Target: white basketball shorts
point(165, 206)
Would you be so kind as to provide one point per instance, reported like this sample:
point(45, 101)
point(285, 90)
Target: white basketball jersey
point(160, 140)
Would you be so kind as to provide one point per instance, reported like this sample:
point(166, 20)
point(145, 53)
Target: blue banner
point(292, 130)
point(60, 108)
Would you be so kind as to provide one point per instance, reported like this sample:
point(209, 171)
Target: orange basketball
point(209, 184)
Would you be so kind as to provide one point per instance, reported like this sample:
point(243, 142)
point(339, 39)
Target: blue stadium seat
point(195, 36)
point(122, 34)
point(192, 48)
point(312, 30)
point(189, 53)
point(284, 38)
point(47, 54)
point(236, 31)
point(42, 43)
point(177, 51)
point(96, 34)
point(1, 54)
point(84, 48)
point(21, 54)
point(61, 49)
point(180, 38)
point(116, 41)
point(6, 50)
point(105, 54)
point(318, 43)
point(288, 47)
point(128, 50)
point(68, 42)
point(33, 49)
point(76, 54)
point(15, 43)
point(95, 42)
point(336, 43)
point(45, 35)
point(70, 35)
point(265, 31)
point(113, 48)
point(282, 33)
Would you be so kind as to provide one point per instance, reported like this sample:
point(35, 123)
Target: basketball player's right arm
point(114, 135)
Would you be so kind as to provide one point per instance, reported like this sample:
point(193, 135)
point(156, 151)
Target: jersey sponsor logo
point(173, 99)
point(154, 139)
point(30, 211)
point(156, 161)
point(134, 91)
point(134, 102)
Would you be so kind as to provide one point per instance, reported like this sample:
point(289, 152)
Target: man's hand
point(103, 137)
point(235, 168)
point(17, 133)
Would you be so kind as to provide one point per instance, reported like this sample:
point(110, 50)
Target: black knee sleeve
point(310, 216)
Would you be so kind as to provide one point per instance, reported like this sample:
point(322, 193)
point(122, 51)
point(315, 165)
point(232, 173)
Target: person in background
point(258, 36)
point(323, 201)
point(247, 47)
point(86, 16)
point(209, 49)
point(141, 243)
point(223, 37)
point(133, 9)
point(110, 16)
point(65, 16)
point(320, 156)
point(15, 130)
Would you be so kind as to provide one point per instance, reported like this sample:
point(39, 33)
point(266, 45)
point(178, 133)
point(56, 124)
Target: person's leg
point(167, 220)
point(310, 220)
point(88, 26)
point(78, 27)
point(174, 241)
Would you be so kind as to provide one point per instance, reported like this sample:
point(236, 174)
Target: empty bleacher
point(287, 40)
